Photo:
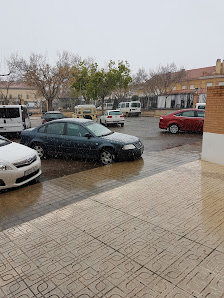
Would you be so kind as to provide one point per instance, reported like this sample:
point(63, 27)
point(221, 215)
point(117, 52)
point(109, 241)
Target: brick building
point(196, 81)
point(19, 92)
point(213, 136)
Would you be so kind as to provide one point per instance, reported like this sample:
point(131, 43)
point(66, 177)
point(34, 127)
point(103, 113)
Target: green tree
point(100, 83)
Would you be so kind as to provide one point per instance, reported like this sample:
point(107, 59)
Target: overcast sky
point(146, 33)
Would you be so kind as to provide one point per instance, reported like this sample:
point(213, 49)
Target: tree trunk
point(49, 104)
point(102, 104)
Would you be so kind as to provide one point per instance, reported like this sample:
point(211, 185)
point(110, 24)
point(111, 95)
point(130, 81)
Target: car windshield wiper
point(107, 134)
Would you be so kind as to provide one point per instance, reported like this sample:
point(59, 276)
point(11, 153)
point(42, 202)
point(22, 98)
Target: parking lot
point(146, 128)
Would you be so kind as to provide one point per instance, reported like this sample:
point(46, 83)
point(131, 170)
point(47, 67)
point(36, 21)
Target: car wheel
point(107, 157)
point(122, 124)
point(40, 150)
point(174, 128)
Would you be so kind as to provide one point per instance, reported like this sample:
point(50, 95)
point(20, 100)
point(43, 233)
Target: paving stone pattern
point(27, 203)
point(158, 236)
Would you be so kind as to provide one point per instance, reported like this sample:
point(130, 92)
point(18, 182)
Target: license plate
point(30, 171)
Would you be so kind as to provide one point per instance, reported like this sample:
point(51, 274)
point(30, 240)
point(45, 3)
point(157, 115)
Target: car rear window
point(115, 113)
point(53, 115)
point(9, 113)
point(135, 104)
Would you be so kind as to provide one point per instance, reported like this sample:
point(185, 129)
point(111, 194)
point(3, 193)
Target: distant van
point(85, 111)
point(106, 106)
point(200, 105)
point(14, 118)
point(131, 108)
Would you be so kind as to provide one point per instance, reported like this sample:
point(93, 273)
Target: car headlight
point(5, 167)
point(128, 147)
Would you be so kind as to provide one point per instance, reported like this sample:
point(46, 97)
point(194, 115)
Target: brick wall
point(214, 114)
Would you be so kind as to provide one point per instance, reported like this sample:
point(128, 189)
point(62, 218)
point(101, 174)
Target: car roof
point(85, 106)
point(53, 112)
point(73, 120)
point(113, 111)
point(192, 109)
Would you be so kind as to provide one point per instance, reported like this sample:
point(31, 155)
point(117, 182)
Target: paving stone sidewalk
point(158, 236)
point(24, 204)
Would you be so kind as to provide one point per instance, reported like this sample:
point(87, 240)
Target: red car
point(187, 120)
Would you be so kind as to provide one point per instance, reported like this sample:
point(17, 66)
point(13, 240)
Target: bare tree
point(6, 81)
point(165, 78)
point(49, 80)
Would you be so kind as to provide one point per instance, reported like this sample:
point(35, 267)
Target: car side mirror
point(88, 135)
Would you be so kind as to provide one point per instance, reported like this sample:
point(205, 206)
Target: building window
point(10, 96)
point(183, 87)
point(209, 84)
point(174, 88)
point(221, 83)
point(27, 96)
point(191, 86)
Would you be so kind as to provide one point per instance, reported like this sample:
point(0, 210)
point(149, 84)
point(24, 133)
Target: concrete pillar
point(195, 99)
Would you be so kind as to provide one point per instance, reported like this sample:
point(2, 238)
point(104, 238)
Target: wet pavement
point(137, 234)
point(146, 128)
point(147, 228)
point(35, 202)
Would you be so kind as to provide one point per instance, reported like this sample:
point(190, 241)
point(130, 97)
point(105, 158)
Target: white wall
point(213, 147)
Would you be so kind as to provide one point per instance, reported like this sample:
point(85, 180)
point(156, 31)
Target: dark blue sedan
point(81, 138)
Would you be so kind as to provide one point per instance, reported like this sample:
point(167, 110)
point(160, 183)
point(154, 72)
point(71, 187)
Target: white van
point(106, 106)
point(131, 108)
point(200, 105)
point(14, 118)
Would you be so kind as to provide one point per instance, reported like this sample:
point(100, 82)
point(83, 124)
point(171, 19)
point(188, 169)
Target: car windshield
point(99, 130)
point(54, 115)
point(4, 142)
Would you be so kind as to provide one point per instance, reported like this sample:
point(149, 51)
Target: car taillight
point(44, 121)
point(122, 116)
point(109, 116)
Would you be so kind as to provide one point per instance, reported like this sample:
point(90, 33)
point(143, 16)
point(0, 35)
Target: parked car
point(14, 118)
point(18, 164)
point(86, 112)
point(52, 115)
point(200, 105)
point(130, 108)
point(82, 138)
point(112, 117)
point(186, 120)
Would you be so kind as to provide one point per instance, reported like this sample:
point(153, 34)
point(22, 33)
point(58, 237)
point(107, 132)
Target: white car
point(112, 117)
point(19, 164)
